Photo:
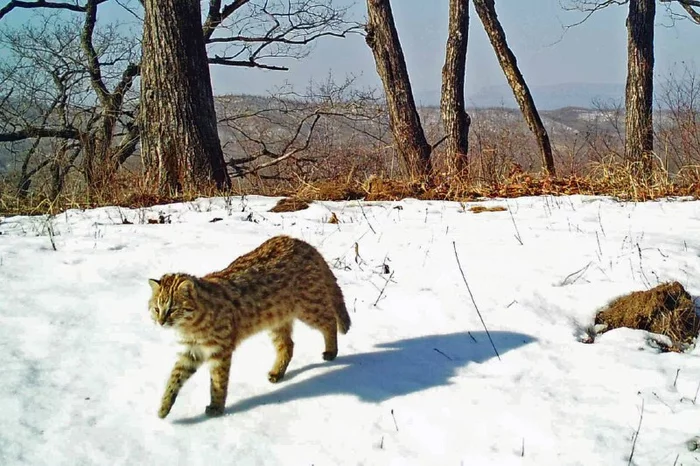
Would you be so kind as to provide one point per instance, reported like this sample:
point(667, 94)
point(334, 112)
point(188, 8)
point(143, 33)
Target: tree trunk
point(405, 123)
point(455, 119)
point(179, 138)
point(486, 9)
point(639, 125)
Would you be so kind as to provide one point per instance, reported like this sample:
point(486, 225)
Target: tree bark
point(639, 90)
point(455, 119)
point(405, 123)
point(486, 9)
point(179, 139)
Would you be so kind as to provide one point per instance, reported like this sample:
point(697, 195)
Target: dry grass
point(290, 204)
point(667, 309)
point(609, 177)
point(477, 209)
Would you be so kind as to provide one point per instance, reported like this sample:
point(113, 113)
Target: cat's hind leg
point(282, 339)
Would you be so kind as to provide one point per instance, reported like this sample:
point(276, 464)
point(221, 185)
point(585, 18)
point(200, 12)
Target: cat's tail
point(341, 311)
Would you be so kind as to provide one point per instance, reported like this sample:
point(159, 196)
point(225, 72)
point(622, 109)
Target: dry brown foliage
point(290, 204)
point(611, 179)
point(667, 309)
point(477, 209)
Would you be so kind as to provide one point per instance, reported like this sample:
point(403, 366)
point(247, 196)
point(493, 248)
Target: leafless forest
point(93, 112)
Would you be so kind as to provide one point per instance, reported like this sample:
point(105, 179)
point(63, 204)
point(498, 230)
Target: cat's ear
point(186, 284)
point(155, 284)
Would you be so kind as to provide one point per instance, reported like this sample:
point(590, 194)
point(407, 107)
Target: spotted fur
point(267, 289)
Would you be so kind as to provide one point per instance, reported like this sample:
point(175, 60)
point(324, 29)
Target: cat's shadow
point(397, 368)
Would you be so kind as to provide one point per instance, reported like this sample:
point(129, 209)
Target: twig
point(695, 398)
point(580, 271)
point(51, 233)
point(383, 288)
point(517, 233)
point(663, 402)
point(636, 434)
point(459, 264)
point(395, 424)
point(676, 379)
point(365, 216)
point(641, 267)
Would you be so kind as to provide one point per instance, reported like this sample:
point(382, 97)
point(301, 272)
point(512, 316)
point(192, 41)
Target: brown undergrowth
point(608, 178)
point(666, 309)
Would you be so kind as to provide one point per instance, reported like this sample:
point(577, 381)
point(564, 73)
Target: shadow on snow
point(399, 368)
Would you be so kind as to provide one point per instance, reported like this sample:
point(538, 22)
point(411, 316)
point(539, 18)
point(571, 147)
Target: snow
point(416, 380)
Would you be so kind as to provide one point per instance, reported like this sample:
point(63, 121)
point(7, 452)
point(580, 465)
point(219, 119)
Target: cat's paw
point(275, 377)
point(329, 355)
point(214, 411)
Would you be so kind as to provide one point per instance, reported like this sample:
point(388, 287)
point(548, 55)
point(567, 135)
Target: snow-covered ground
point(416, 380)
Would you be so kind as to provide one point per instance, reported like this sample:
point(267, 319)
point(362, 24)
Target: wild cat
point(266, 289)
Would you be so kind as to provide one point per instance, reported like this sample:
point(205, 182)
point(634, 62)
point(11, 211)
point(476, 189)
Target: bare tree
point(678, 131)
point(248, 33)
point(486, 9)
point(67, 81)
point(383, 39)
point(266, 33)
point(639, 88)
point(293, 136)
point(455, 119)
point(179, 139)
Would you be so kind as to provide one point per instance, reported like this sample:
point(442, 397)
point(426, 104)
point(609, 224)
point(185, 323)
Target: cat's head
point(172, 299)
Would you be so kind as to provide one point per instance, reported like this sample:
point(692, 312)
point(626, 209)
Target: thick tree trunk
point(455, 119)
point(405, 123)
point(179, 139)
point(486, 9)
point(639, 125)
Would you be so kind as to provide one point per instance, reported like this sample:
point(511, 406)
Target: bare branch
point(216, 60)
point(286, 155)
point(43, 4)
point(216, 15)
point(245, 32)
point(590, 7)
point(281, 39)
point(93, 63)
point(40, 132)
point(688, 6)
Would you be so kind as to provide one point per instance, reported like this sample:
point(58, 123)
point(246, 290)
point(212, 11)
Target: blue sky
point(593, 52)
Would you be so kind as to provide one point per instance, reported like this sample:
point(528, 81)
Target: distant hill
point(546, 97)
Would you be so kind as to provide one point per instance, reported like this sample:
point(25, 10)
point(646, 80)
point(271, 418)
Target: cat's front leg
point(185, 366)
point(220, 366)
